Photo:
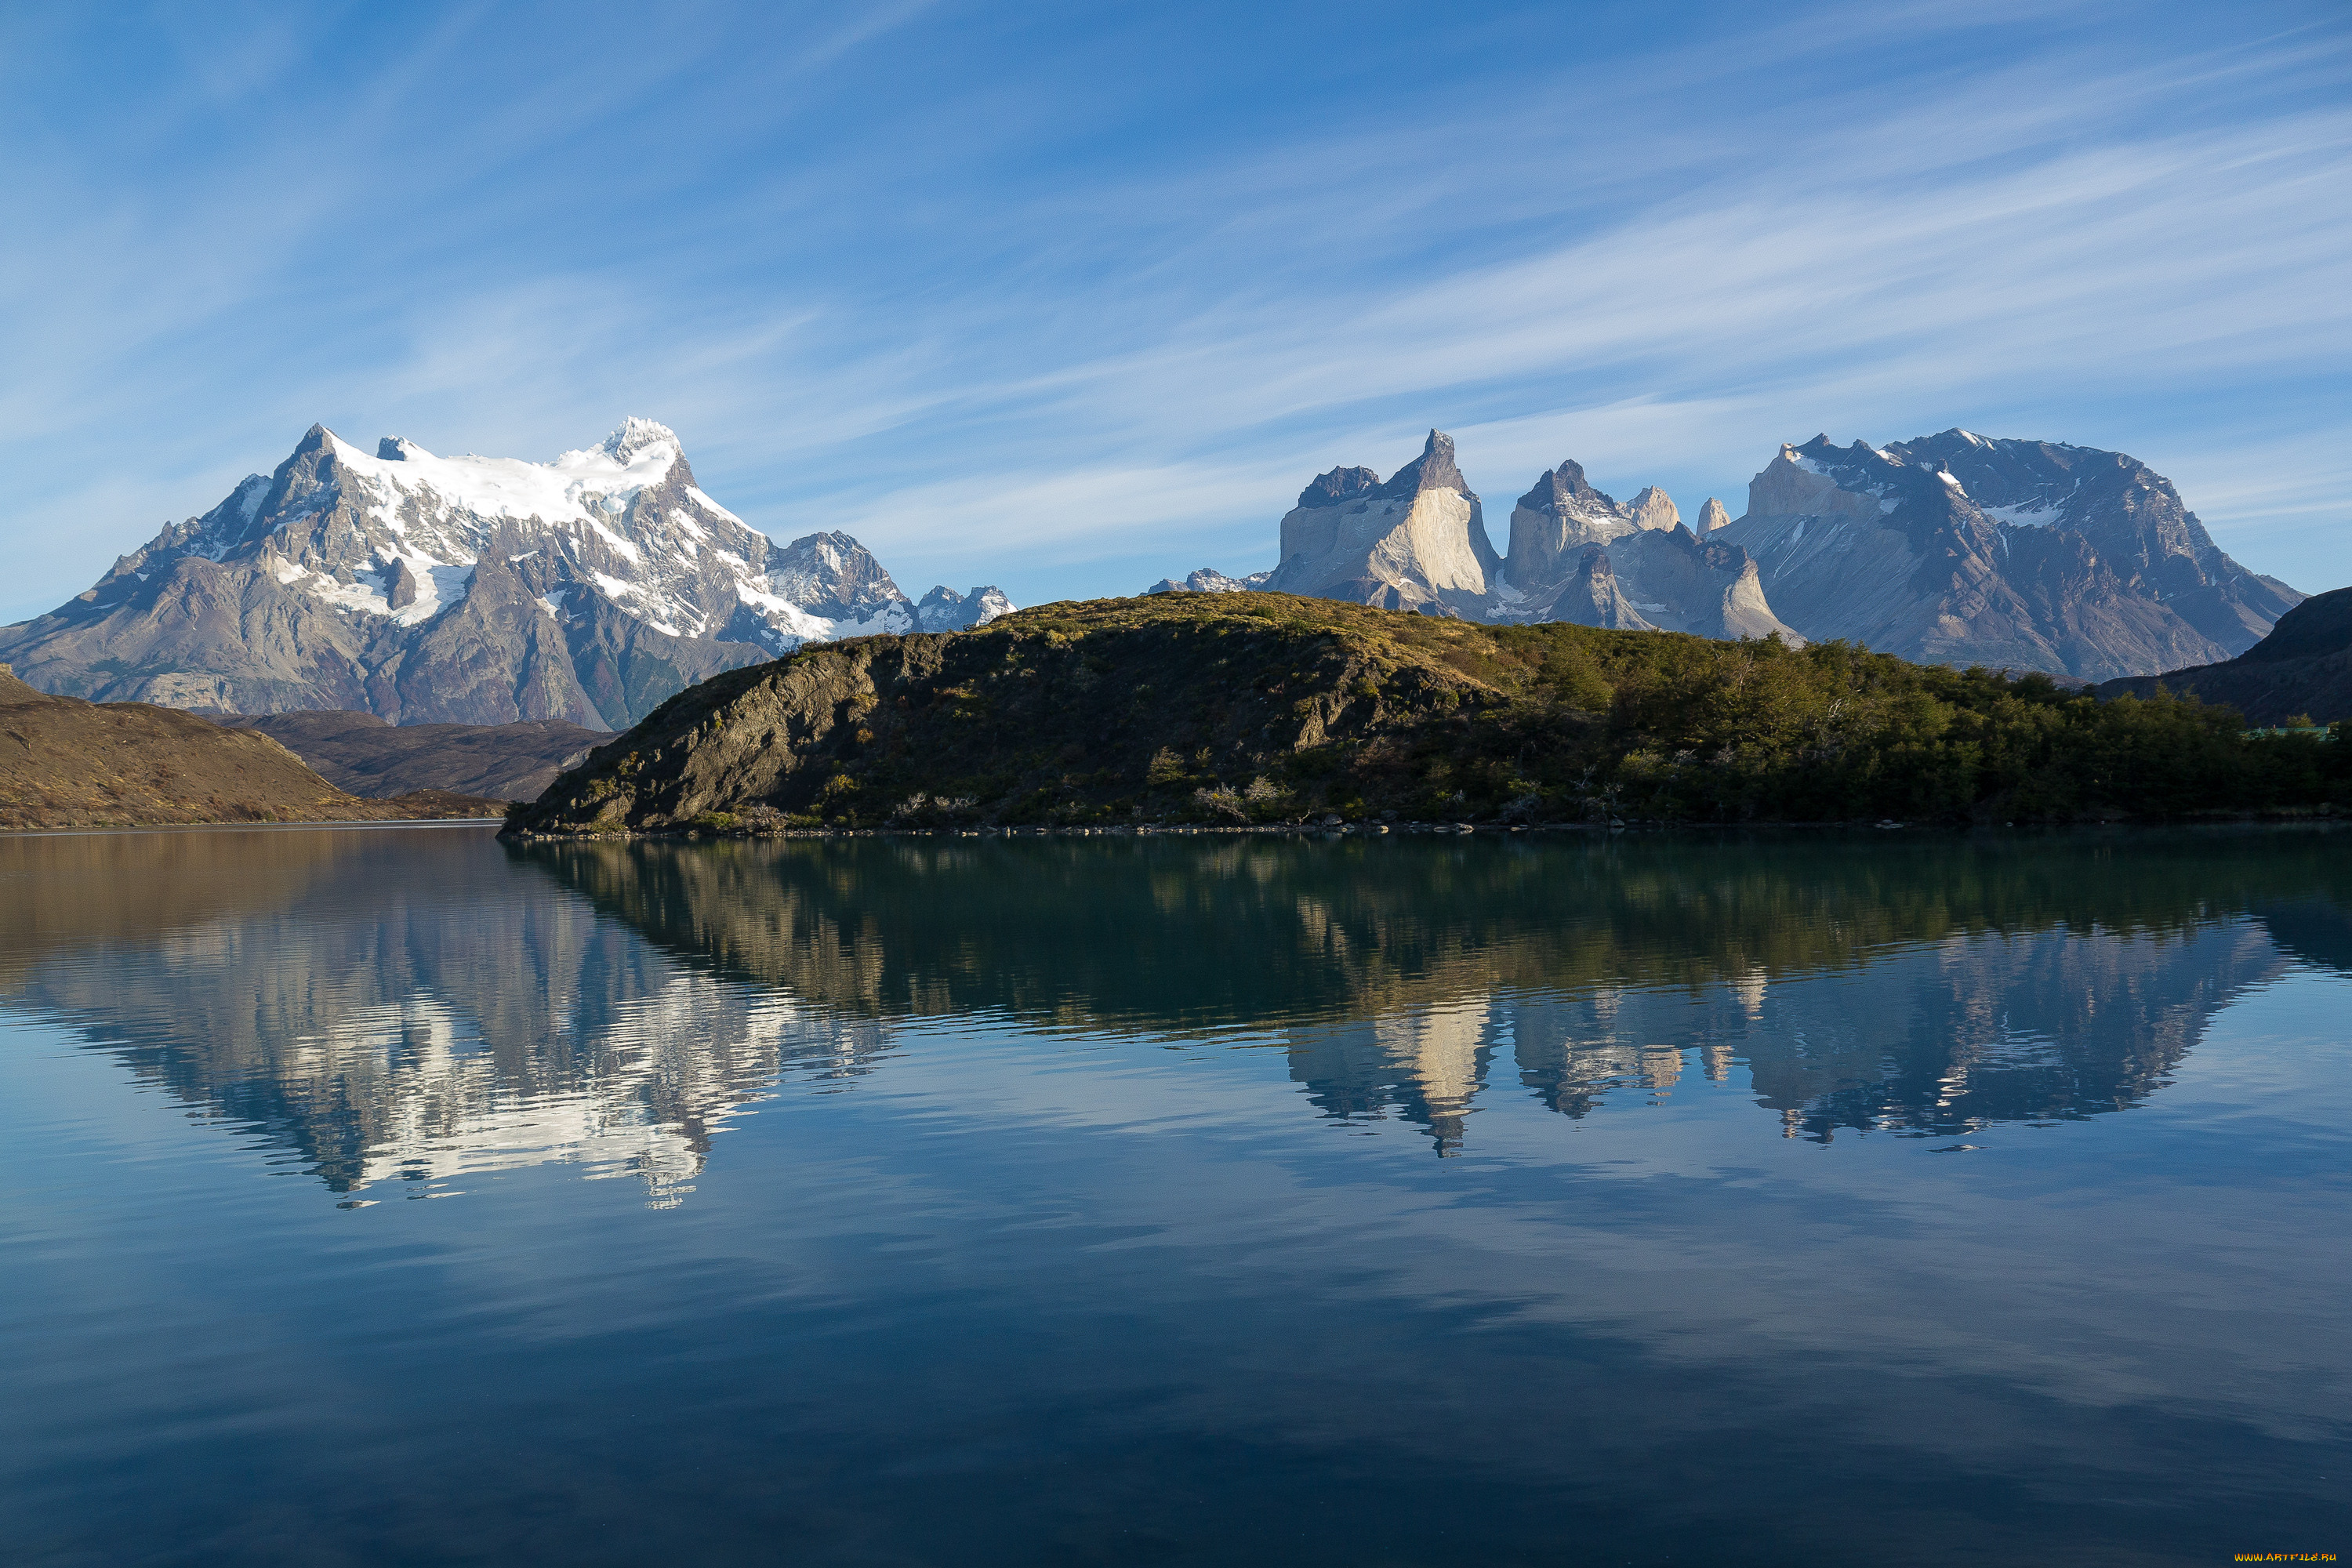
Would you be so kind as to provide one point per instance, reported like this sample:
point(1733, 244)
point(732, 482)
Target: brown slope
point(65, 763)
point(361, 754)
point(2303, 667)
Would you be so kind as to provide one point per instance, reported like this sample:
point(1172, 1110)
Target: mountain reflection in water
point(407, 1007)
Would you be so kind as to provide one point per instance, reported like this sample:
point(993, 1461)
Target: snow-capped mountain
point(464, 589)
point(1209, 580)
point(945, 610)
point(1953, 548)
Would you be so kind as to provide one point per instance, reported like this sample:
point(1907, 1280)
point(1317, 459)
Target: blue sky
point(1072, 299)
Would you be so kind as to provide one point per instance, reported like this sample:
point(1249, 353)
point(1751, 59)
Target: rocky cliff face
point(1656, 580)
point(1950, 549)
point(1955, 549)
point(464, 590)
point(1417, 542)
point(1555, 521)
point(2127, 512)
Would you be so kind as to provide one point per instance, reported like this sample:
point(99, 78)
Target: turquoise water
point(395, 1195)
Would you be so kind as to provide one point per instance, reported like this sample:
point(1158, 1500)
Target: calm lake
point(398, 1196)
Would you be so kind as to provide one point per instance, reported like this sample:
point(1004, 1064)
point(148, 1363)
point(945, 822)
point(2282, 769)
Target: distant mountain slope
point(69, 763)
point(1952, 549)
point(361, 754)
point(1209, 580)
point(945, 610)
point(464, 590)
point(2302, 669)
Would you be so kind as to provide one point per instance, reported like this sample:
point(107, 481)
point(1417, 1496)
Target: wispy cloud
point(1008, 304)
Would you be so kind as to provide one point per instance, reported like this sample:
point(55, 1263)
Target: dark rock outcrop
point(1339, 485)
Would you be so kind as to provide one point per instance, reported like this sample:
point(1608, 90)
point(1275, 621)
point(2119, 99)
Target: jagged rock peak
point(1433, 470)
point(945, 610)
point(1713, 515)
point(1562, 485)
point(1654, 509)
point(1209, 580)
point(833, 576)
point(1337, 486)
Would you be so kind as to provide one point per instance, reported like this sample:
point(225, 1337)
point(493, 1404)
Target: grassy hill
point(1234, 708)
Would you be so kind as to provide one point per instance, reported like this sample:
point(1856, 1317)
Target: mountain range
point(587, 590)
point(463, 590)
point(1950, 549)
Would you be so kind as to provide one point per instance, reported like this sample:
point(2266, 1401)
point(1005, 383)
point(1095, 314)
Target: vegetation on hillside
point(1235, 708)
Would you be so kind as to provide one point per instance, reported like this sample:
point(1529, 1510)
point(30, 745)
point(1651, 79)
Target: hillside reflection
point(400, 1010)
point(1929, 987)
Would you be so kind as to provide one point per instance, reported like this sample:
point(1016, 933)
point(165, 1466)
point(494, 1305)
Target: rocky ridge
point(468, 590)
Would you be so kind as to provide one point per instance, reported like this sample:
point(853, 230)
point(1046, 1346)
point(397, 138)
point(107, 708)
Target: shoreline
point(1203, 830)
point(1427, 829)
point(89, 829)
